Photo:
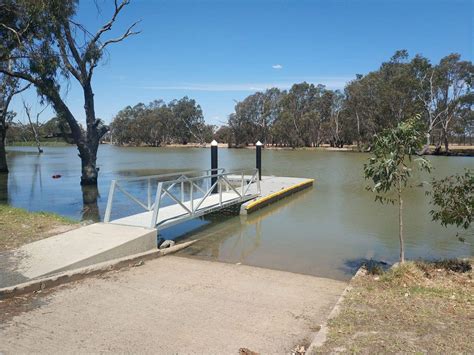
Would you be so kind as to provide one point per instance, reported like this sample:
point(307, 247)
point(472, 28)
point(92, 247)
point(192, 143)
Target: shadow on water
point(90, 207)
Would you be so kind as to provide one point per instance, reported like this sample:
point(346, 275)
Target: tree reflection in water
point(3, 188)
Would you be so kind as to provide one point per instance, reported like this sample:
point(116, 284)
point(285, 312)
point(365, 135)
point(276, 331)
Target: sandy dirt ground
point(172, 305)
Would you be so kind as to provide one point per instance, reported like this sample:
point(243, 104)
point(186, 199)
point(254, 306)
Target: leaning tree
point(47, 47)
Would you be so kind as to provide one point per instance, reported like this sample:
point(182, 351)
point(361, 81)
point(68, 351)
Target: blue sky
point(219, 51)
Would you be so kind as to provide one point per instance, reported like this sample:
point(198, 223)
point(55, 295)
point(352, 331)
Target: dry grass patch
point(18, 227)
point(417, 307)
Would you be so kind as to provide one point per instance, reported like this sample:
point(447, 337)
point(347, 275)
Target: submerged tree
point(391, 166)
point(47, 45)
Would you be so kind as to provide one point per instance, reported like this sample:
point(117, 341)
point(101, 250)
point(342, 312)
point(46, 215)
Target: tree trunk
point(90, 208)
point(358, 131)
point(87, 145)
point(400, 224)
point(446, 142)
point(3, 153)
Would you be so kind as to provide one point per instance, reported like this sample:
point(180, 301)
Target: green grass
point(18, 226)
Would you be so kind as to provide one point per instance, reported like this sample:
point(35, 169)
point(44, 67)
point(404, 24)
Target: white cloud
point(277, 66)
point(329, 82)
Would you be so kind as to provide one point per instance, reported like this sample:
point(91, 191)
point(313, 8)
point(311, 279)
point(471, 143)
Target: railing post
point(219, 185)
point(242, 186)
point(108, 209)
point(149, 194)
point(154, 217)
point(214, 164)
point(191, 198)
point(259, 159)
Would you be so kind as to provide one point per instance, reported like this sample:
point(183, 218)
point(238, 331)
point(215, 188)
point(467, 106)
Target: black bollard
point(259, 159)
point(214, 165)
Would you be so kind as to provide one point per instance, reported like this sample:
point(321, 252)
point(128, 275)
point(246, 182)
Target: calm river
point(323, 231)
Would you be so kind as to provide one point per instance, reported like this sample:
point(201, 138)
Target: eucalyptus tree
point(455, 82)
point(337, 129)
point(390, 166)
point(398, 90)
point(9, 87)
point(47, 45)
point(453, 198)
point(302, 108)
point(361, 105)
point(188, 119)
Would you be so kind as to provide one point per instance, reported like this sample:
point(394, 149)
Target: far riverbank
point(455, 149)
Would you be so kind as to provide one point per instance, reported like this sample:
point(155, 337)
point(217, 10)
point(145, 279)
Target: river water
point(324, 231)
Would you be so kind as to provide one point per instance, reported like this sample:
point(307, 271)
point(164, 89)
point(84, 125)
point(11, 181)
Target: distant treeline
point(309, 115)
point(53, 130)
point(159, 123)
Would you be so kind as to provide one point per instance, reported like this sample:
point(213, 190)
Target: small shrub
point(454, 265)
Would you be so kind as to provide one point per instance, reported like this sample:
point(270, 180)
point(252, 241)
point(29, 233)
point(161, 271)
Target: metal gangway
point(168, 199)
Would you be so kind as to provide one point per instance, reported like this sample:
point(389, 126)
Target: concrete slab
point(77, 248)
point(175, 305)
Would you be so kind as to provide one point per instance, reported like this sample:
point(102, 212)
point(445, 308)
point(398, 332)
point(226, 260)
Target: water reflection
point(314, 232)
point(3, 188)
point(236, 239)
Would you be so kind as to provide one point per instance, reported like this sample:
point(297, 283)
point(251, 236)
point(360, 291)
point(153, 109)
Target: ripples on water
point(323, 231)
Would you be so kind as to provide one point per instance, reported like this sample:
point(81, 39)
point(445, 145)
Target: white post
point(108, 209)
point(154, 218)
point(191, 198)
point(149, 194)
point(219, 184)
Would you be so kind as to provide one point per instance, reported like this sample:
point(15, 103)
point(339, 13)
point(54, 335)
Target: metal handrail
point(138, 178)
point(192, 206)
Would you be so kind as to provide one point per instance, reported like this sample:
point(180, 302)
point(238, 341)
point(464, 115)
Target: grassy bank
point(43, 144)
point(18, 226)
point(418, 307)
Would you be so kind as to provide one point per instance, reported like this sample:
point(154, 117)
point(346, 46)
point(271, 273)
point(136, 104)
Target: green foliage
point(309, 115)
point(392, 152)
point(453, 197)
point(180, 121)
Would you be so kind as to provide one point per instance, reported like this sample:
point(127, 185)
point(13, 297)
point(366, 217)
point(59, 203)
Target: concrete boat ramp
point(172, 305)
point(137, 233)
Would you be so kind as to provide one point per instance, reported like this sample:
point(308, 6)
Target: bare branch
point(128, 33)
point(109, 24)
point(72, 47)
point(21, 75)
point(17, 35)
point(27, 86)
point(65, 59)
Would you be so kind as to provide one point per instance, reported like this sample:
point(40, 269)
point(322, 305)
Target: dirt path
point(172, 305)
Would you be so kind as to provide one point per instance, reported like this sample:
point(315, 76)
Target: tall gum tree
point(47, 45)
point(9, 87)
